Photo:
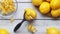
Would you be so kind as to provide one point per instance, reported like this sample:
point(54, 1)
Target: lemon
point(31, 28)
point(30, 14)
point(55, 13)
point(3, 31)
point(37, 2)
point(1, 7)
point(52, 31)
point(55, 4)
point(59, 11)
point(44, 8)
point(11, 20)
point(4, 12)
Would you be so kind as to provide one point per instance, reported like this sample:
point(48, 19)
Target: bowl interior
point(10, 15)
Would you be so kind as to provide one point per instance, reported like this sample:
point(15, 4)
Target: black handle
point(18, 25)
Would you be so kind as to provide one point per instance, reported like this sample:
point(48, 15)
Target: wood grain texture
point(20, 12)
point(41, 26)
point(41, 23)
point(23, 0)
point(23, 6)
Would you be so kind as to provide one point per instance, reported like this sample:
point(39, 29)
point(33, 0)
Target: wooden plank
point(40, 25)
point(20, 12)
point(22, 6)
point(23, 0)
point(31, 33)
point(8, 25)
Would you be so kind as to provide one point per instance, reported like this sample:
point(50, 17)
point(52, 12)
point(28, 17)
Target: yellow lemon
point(52, 31)
point(31, 28)
point(12, 20)
point(4, 12)
point(55, 13)
point(59, 11)
point(30, 14)
point(44, 8)
point(37, 2)
point(1, 7)
point(3, 31)
point(55, 4)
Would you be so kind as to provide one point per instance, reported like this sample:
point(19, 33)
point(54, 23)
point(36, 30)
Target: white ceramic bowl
point(10, 15)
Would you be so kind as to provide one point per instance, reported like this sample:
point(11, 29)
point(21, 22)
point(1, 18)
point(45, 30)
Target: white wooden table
point(41, 22)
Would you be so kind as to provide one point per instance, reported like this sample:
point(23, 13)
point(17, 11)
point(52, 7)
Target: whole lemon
point(55, 13)
point(30, 14)
point(44, 8)
point(55, 4)
point(37, 2)
point(52, 31)
point(3, 31)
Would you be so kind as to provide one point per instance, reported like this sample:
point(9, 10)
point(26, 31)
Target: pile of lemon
point(51, 7)
point(7, 7)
